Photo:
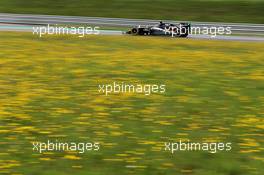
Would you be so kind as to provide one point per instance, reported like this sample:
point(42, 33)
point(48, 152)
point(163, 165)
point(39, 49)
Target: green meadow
point(250, 11)
point(49, 91)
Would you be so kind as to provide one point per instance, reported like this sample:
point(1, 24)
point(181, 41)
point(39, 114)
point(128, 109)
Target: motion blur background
point(250, 11)
point(214, 93)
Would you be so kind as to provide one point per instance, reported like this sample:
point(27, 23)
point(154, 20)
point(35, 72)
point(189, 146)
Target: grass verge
point(192, 10)
point(49, 91)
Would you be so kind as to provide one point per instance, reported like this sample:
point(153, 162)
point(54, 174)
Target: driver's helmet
point(161, 24)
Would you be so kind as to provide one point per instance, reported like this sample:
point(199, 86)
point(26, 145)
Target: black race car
point(162, 29)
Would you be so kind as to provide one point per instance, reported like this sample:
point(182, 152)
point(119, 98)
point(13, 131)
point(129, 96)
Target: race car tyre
point(134, 31)
point(184, 29)
point(184, 32)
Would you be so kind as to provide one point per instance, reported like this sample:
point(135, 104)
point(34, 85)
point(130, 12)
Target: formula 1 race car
point(162, 29)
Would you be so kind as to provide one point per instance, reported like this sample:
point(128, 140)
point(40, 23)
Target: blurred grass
point(48, 90)
point(250, 11)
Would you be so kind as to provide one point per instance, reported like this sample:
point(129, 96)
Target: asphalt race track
point(25, 22)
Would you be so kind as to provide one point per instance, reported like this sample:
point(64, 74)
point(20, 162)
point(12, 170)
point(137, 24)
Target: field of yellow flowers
point(49, 91)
